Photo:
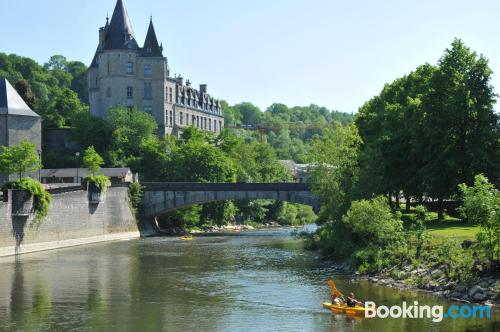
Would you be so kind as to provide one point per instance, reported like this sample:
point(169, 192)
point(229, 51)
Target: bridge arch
point(160, 198)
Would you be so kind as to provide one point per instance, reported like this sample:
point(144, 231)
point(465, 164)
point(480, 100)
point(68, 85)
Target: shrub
point(92, 160)
point(482, 206)
point(135, 194)
point(102, 182)
point(372, 222)
point(42, 197)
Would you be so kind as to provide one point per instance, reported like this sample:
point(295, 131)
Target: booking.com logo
point(436, 312)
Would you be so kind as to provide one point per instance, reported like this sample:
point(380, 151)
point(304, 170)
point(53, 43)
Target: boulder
point(484, 284)
point(474, 290)
point(478, 296)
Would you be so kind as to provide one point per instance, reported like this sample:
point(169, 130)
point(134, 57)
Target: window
point(130, 92)
point(171, 120)
point(181, 118)
point(108, 92)
point(170, 94)
point(148, 109)
point(220, 125)
point(148, 90)
point(193, 120)
point(148, 71)
point(130, 68)
point(210, 124)
point(215, 126)
point(197, 122)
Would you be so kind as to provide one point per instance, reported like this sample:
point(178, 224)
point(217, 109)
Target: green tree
point(481, 205)
point(92, 160)
point(60, 110)
point(334, 169)
point(372, 223)
point(79, 84)
point(19, 159)
point(24, 89)
point(461, 129)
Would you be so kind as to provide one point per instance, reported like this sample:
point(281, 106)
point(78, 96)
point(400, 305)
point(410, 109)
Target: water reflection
point(260, 282)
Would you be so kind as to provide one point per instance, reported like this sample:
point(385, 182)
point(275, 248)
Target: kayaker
point(335, 299)
point(351, 301)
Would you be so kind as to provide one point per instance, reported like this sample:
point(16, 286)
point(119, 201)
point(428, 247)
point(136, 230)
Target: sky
point(336, 54)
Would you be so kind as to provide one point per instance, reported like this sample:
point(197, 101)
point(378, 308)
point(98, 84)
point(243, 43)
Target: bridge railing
point(237, 186)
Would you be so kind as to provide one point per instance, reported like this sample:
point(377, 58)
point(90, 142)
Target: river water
point(258, 281)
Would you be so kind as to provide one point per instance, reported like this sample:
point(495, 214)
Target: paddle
point(336, 292)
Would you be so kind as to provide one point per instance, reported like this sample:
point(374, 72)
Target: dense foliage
point(93, 161)
point(432, 129)
point(286, 129)
point(481, 205)
point(19, 159)
point(42, 198)
point(422, 136)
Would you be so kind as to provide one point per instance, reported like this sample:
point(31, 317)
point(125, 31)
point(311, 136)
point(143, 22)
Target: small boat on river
point(341, 303)
point(186, 237)
point(344, 309)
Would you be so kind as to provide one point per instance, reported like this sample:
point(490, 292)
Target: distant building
point(123, 73)
point(75, 175)
point(298, 171)
point(17, 122)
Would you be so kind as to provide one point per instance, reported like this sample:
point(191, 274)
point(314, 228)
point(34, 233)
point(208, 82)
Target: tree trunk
point(440, 209)
point(397, 200)
point(390, 200)
point(407, 201)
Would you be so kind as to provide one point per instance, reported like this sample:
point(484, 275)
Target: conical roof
point(11, 102)
point(119, 33)
point(151, 46)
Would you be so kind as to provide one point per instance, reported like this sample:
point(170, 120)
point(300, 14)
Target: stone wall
point(14, 129)
point(71, 216)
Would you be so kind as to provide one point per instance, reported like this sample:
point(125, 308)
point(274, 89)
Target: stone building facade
point(123, 73)
point(17, 122)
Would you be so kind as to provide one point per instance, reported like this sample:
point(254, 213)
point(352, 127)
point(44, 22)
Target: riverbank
point(486, 290)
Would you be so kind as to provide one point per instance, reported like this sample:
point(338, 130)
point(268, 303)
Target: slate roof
point(71, 172)
point(119, 32)
point(11, 102)
point(151, 46)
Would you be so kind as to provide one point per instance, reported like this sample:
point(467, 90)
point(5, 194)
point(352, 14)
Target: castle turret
point(119, 33)
point(151, 46)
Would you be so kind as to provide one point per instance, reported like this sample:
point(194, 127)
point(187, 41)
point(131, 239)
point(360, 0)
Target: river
point(258, 281)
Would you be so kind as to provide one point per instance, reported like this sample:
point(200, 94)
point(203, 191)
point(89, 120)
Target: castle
point(122, 73)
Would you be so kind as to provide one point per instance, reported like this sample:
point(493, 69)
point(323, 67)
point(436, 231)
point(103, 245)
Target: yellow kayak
point(344, 309)
point(186, 237)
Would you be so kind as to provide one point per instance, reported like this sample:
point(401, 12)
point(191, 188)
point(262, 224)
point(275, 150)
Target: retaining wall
point(72, 220)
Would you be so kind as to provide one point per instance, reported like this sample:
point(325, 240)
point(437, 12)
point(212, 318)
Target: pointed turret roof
point(119, 32)
point(11, 102)
point(151, 46)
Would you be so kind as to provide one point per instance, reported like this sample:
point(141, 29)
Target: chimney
point(203, 88)
point(180, 80)
point(102, 36)
point(188, 83)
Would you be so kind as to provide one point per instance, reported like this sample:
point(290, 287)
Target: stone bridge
point(162, 197)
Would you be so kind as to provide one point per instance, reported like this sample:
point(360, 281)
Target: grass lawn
point(456, 229)
point(449, 228)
